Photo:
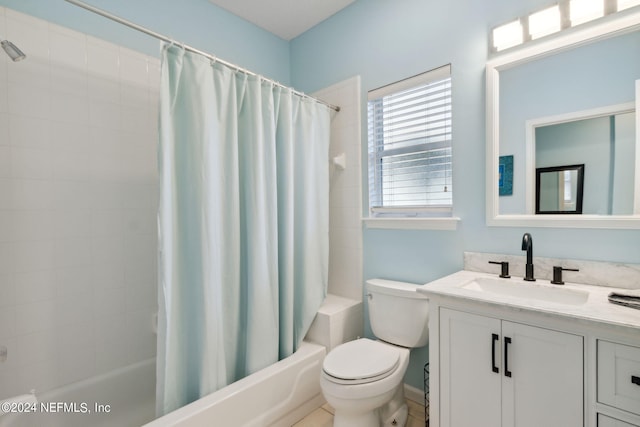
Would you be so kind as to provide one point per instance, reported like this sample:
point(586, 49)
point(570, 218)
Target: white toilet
point(363, 379)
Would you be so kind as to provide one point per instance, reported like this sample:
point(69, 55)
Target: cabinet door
point(546, 383)
point(604, 421)
point(469, 387)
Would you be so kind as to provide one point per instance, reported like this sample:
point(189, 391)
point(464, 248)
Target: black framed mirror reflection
point(559, 189)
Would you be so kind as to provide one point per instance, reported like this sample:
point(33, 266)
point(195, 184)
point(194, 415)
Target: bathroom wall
point(198, 23)
point(387, 41)
point(345, 231)
point(78, 196)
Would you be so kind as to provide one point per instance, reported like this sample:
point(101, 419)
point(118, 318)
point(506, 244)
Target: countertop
point(595, 308)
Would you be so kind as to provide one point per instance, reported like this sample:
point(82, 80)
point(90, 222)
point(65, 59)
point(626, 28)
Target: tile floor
point(323, 417)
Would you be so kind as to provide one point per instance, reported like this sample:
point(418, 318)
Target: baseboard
point(413, 393)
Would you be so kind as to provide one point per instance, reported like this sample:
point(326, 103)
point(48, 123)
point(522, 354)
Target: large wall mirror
point(570, 100)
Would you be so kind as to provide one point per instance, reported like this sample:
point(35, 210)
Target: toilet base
point(396, 411)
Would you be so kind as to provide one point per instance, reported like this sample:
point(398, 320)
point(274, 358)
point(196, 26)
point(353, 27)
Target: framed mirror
point(559, 189)
point(546, 87)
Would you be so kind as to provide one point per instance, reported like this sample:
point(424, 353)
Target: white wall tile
point(7, 228)
point(71, 223)
point(30, 163)
point(103, 59)
point(35, 317)
point(28, 100)
point(28, 132)
point(4, 127)
point(133, 69)
point(34, 348)
point(73, 311)
point(140, 339)
point(7, 290)
point(68, 48)
point(34, 286)
point(34, 255)
point(69, 108)
point(7, 322)
point(111, 348)
point(72, 252)
point(5, 161)
point(109, 302)
point(32, 225)
point(70, 165)
point(104, 115)
point(68, 138)
point(345, 210)
point(73, 280)
point(78, 201)
point(76, 353)
point(38, 376)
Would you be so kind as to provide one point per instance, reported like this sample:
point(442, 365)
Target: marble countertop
point(595, 308)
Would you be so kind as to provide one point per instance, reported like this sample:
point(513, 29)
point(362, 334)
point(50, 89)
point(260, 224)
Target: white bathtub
point(278, 395)
point(129, 392)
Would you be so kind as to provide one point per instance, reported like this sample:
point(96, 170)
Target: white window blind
point(409, 130)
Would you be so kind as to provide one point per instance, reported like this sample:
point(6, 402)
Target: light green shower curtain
point(243, 224)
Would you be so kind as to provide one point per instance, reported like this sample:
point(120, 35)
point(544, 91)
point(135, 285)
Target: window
point(409, 132)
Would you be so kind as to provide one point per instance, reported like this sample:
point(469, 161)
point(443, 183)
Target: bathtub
point(123, 398)
point(278, 395)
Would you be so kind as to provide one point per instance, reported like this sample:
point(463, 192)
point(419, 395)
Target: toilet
point(363, 379)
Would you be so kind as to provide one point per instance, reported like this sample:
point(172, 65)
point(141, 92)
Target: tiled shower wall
point(345, 213)
point(78, 197)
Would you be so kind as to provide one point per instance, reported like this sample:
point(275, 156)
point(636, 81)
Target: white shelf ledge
point(449, 223)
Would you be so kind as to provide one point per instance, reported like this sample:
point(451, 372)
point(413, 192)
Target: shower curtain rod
point(189, 48)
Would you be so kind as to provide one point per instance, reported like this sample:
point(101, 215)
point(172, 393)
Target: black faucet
point(527, 245)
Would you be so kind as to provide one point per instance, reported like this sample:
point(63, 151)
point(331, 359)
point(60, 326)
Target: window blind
point(409, 133)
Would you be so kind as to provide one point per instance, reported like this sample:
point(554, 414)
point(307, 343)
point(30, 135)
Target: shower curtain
point(243, 224)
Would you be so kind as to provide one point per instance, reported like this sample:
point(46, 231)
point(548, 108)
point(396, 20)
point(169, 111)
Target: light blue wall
point(197, 23)
point(596, 75)
point(384, 41)
point(586, 142)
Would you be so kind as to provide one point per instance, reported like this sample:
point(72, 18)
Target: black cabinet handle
point(635, 380)
point(494, 338)
point(507, 341)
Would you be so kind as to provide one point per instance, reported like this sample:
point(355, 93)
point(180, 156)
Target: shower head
point(13, 51)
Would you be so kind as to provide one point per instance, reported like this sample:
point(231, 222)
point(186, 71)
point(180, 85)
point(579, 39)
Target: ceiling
point(285, 18)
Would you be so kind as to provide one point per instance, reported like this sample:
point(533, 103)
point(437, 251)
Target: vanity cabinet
point(605, 421)
point(495, 372)
point(618, 373)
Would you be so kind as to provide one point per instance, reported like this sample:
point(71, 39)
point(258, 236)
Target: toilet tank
point(397, 313)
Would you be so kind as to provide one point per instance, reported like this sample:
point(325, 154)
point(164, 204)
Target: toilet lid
point(361, 359)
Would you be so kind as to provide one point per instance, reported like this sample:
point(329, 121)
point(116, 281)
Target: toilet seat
point(361, 361)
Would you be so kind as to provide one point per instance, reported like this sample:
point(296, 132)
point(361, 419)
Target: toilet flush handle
point(370, 296)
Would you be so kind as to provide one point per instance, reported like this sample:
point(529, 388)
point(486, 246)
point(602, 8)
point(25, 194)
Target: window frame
point(426, 212)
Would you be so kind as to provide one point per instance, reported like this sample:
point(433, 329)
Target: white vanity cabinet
point(506, 353)
point(618, 379)
point(495, 372)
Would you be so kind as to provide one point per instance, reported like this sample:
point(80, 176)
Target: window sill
point(449, 223)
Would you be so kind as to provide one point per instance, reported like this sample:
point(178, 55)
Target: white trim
point(434, 75)
point(610, 26)
point(414, 394)
point(566, 221)
point(450, 223)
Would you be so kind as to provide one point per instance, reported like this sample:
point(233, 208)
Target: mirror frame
point(610, 26)
point(579, 187)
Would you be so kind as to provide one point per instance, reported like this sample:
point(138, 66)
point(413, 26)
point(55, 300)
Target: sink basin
point(529, 291)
